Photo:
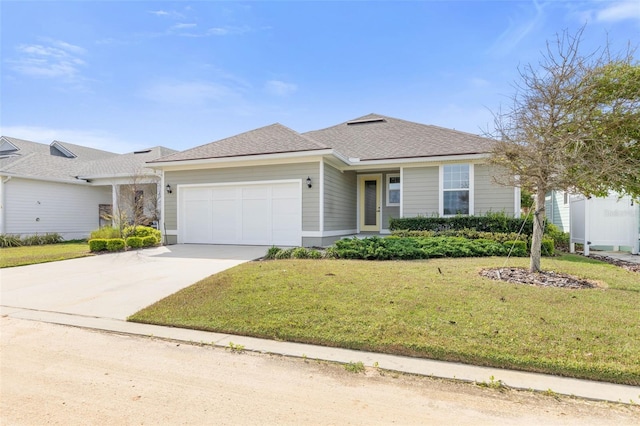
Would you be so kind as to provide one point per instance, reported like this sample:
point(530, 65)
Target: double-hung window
point(393, 190)
point(456, 189)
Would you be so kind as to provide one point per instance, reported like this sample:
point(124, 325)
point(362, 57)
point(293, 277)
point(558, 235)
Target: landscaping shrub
point(149, 241)
point(141, 231)
point(471, 234)
point(560, 239)
point(548, 248)
point(272, 252)
point(284, 254)
point(396, 248)
point(519, 248)
point(105, 233)
point(98, 244)
point(7, 240)
point(134, 242)
point(115, 244)
point(299, 253)
point(315, 254)
point(491, 222)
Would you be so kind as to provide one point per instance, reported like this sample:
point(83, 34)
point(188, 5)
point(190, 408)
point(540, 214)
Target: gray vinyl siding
point(556, 210)
point(388, 211)
point(40, 207)
point(310, 196)
point(420, 191)
point(488, 195)
point(340, 199)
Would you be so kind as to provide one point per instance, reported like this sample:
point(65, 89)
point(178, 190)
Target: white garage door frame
point(251, 215)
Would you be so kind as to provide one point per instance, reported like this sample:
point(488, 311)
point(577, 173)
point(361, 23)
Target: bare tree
point(570, 127)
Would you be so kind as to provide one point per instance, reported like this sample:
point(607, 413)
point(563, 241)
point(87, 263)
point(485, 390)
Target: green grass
point(28, 255)
point(410, 308)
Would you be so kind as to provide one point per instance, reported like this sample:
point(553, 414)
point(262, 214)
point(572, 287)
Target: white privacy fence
point(611, 221)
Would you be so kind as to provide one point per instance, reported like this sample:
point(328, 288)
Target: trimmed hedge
point(98, 244)
point(518, 248)
point(496, 222)
point(134, 242)
point(141, 231)
point(116, 244)
point(396, 248)
point(150, 241)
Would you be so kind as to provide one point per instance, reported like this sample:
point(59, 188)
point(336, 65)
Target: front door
point(370, 195)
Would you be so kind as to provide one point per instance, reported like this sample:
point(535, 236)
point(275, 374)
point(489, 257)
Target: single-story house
point(72, 189)
point(556, 206)
point(275, 186)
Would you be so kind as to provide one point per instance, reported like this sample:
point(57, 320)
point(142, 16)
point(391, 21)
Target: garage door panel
point(259, 214)
point(198, 227)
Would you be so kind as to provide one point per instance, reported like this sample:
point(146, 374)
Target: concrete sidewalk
point(514, 379)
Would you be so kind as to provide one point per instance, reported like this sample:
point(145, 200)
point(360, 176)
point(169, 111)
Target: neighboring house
point(66, 188)
point(275, 186)
point(605, 223)
point(556, 205)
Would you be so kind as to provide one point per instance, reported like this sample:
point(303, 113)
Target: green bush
point(7, 240)
point(98, 244)
point(39, 240)
point(491, 222)
point(471, 234)
point(548, 248)
point(284, 254)
point(134, 242)
point(560, 239)
point(141, 231)
point(517, 248)
point(272, 252)
point(299, 253)
point(149, 241)
point(105, 233)
point(115, 244)
point(396, 248)
point(315, 254)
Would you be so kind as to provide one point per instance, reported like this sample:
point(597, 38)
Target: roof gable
point(272, 139)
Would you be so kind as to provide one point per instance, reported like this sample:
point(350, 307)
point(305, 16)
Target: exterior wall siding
point(39, 207)
point(420, 191)
point(489, 196)
point(310, 196)
point(557, 211)
point(388, 211)
point(340, 199)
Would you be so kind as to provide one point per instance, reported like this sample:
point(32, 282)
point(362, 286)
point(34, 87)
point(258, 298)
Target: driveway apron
point(115, 285)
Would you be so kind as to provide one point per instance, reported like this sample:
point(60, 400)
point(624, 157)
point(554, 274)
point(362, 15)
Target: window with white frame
point(456, 189)
point(393, 190)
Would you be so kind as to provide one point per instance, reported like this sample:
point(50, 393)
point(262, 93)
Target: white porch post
point(161, 192)
point(115, 223)
point(586, 226)
point(2, 228)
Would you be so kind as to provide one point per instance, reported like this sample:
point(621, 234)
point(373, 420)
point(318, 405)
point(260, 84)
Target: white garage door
point(253, 214)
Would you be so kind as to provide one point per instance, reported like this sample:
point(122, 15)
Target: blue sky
point(126, 75)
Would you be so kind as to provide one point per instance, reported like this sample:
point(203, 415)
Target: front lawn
point(27, 255)
point(440, 309)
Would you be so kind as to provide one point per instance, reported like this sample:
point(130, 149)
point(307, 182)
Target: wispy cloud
point(280, 88)
point(93, 138)
point(51, 59)
point(517, 29)
point(190, 93)
point(167, 14)
point(182, 26)
point(619, 11)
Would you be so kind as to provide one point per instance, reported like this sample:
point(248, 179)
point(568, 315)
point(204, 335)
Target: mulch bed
point(551, 278)
point(543, 279)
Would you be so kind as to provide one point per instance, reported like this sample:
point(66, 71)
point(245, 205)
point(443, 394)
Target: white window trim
point(387, 178)
point(441, 191)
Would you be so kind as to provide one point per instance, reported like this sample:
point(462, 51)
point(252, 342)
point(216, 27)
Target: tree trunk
point(538, 227)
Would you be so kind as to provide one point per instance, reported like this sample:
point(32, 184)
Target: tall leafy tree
point(573, 124)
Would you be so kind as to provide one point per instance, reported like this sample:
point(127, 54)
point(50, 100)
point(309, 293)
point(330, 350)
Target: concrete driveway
point(115, 285)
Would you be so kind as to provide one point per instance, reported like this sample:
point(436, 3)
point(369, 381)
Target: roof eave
point(354, 163)
point(239, 158)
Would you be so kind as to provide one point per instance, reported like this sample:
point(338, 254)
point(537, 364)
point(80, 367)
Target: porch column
point(2, 215)
point(115, 223)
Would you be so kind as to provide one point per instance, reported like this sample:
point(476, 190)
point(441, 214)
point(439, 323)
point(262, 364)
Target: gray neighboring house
point(275, 186)
point(71, 189)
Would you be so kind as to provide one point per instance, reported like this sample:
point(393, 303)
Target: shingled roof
point(377, 137)
point(272, 139)
point(371, 137)
point(67, 162)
